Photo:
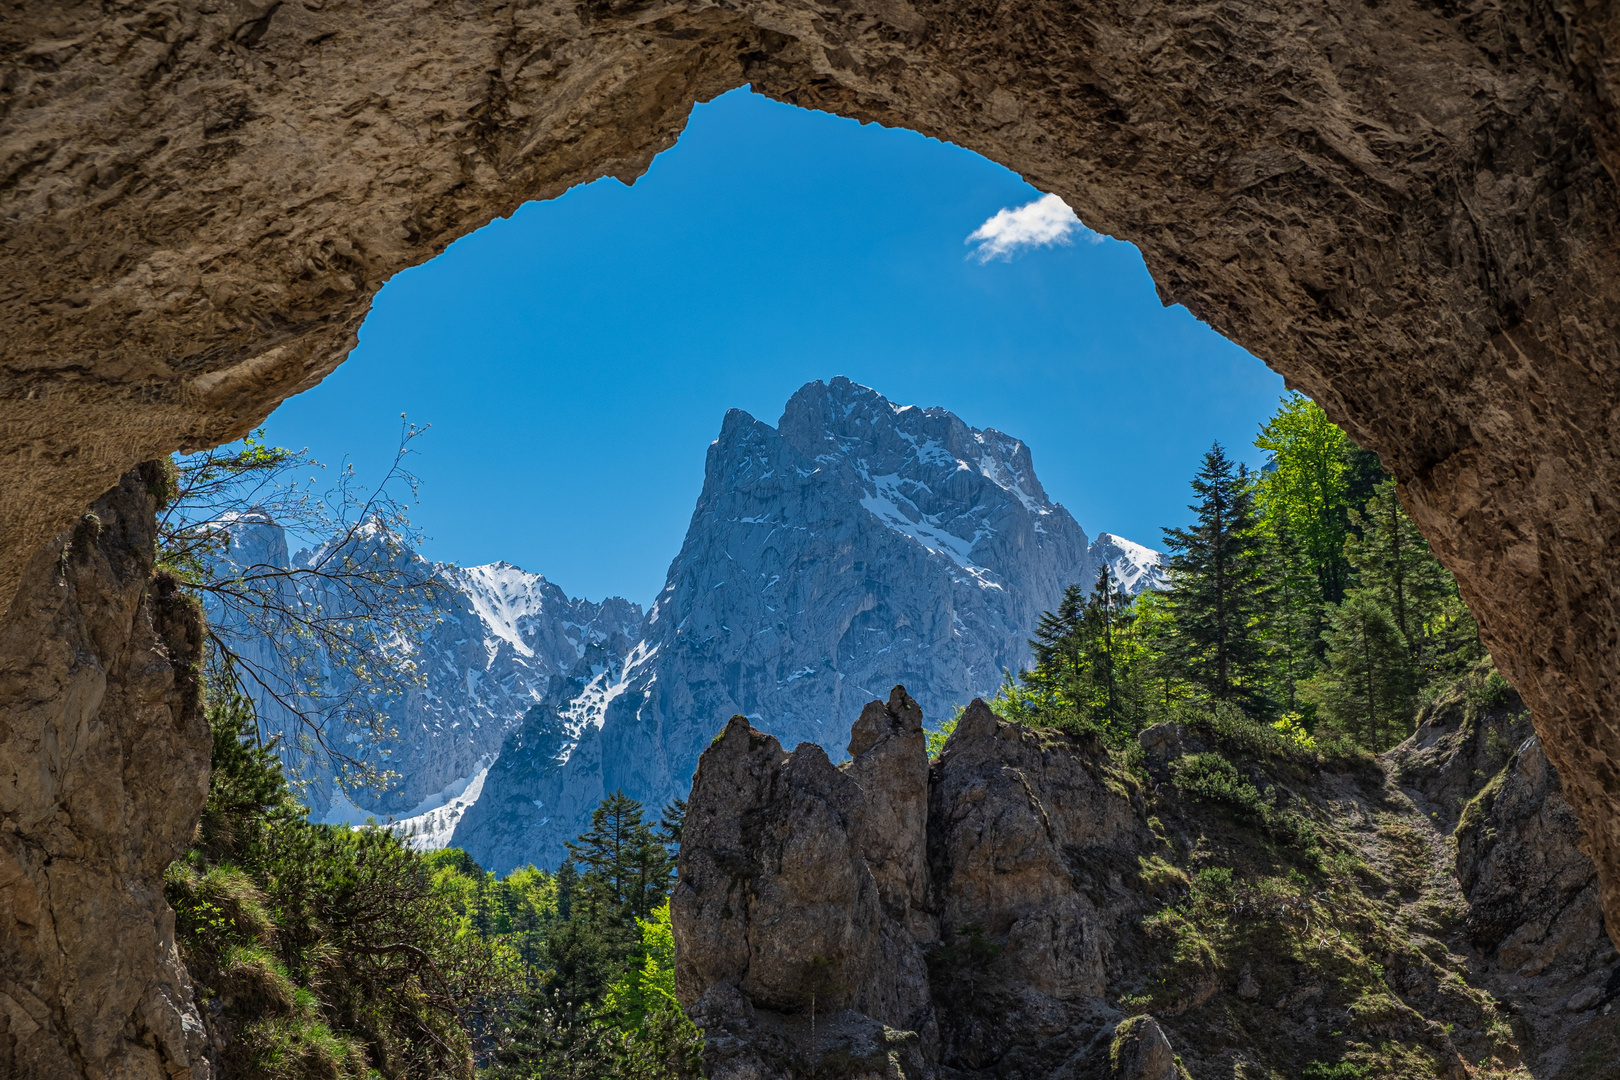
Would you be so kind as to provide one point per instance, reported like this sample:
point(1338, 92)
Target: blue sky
point(575, 360)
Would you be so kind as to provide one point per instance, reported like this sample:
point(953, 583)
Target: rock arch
point(1408, 207)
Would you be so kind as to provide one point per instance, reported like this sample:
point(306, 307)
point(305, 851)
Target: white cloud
point(1042, 223)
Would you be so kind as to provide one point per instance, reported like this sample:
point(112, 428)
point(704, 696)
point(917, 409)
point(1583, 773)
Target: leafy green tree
point(567, 888)
point(649, 985)
point(1367, 688)
point(1306, 489)
point(1363, 473)
point(320, 648)
point(1216, 586)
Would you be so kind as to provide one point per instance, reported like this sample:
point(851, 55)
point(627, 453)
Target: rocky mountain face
point(855, 545)
point(1031, 905)
point(500, 639)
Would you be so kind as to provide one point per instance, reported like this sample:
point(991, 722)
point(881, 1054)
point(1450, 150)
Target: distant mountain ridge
point(856, 545)
point(501, 639)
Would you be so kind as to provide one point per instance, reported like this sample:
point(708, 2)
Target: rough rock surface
point(942, 913)
point(103, 773)
point(1033, 936)
point(855, 545)
point(1409, 209)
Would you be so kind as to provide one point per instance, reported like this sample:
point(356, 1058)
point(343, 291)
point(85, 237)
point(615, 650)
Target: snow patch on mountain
point(1135, 566)
point(431, 825)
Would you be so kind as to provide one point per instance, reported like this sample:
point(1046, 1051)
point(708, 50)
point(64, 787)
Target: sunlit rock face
point(1004, 908)
point(855, 545)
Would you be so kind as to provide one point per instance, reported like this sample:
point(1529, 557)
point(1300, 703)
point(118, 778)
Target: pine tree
point(1108, 625)
point(567, 887)
point(626, 866)
point(1057, 643)
point(1085, 660)
point(1216, 594)
point(1294, 617)
point(671, 825)
point(1368, 685)
point(1392, 559)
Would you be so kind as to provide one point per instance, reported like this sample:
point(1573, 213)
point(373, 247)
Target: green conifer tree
point(1392, 559)
point(626, 866)
point(1216, 594)
point(1367, 688)
point(1085, 661)
point(1294, 616)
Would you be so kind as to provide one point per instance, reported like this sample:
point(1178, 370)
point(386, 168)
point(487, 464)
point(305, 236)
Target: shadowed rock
point(103, 772)
point(1053, 908)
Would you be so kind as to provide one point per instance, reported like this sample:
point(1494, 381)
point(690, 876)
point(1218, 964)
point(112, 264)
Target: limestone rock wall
point(103, 772)
point(925, 920)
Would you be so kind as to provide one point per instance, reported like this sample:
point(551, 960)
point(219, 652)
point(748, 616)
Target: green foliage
point(1306, 493)
point(1217, 598)
point(650, 986)
point(1214, 779)
point(627, 866)
point(940, 735)
point(1369, 687)
point(1393, 564)
point(325, 951)
point(598, 997)
point(1085, 656)
point(1305, 593)
point(1338, 1070)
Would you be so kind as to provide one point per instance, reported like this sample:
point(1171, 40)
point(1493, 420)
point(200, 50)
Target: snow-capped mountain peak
point(856, 545)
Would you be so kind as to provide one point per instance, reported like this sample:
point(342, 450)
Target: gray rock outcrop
point(103, 772)
point(939, 910)
point(1064, 894)
point(856, 545)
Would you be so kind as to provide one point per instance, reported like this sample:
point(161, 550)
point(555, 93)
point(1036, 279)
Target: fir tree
point(567, 887)
point(1084, 659)
point(1294, 617)
point(1392, 559)
point(671, 825)
point(1367, 688)
point(626, 866)
point(1216, 595)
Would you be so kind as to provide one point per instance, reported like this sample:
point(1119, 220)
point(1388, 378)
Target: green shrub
point(325, 951)
point(1338, 1070)
point(1213, 778)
